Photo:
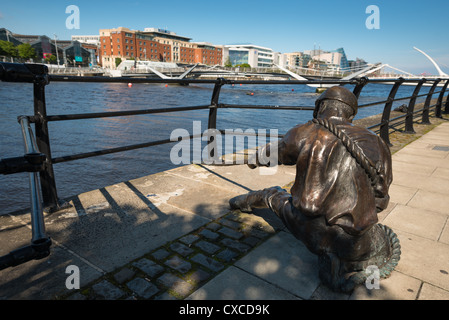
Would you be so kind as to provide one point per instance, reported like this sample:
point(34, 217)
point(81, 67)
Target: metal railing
point(32, 162)
point(38, 157)
point(75, 70)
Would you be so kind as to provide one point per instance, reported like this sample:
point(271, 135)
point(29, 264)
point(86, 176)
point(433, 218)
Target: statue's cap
point(340, 94)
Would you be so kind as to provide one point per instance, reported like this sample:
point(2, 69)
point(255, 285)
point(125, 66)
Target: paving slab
point(423, 182)
point(422, 159)
point(417, 221)
point(401, 165)
point(284, 261)
point(237, 284)
point(401, 194)
point(324, 293)
point(430, 292)
point(204, 199)
point(432, 201)
point(397, 287)
point(15, 233)
point(430, 151)
point(424, 259)
point(440, 139)
point(441, 173)
point(444, 238)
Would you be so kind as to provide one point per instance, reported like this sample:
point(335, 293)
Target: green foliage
point(118, 61)
point(228, 64)
point(51, 59)
point(243, 65)
point(25, 51)
point(8, 49)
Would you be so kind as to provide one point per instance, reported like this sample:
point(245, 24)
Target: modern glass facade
point(255, 56)
point(237, 57)
point(344, 65)
point(75, 55)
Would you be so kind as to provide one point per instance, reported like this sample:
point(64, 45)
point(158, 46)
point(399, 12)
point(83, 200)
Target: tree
point(8, 49)
point(243, 65)
point(118, 61)
point(26, 51)
point(51, 59)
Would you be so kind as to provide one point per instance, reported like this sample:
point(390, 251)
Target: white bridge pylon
point(440, 72)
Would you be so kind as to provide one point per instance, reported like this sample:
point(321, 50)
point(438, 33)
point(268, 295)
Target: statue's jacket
point(331, 180)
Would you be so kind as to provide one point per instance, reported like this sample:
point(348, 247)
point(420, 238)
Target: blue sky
point(283, 25)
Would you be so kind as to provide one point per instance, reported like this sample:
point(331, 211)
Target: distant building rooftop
point(247, 46)
point(88, 39)
point(26, 38)
point(165, 34)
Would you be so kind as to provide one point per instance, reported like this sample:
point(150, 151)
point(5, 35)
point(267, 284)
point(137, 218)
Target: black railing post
point(47, 177)
point(212, 122)
point(411, 107)
point(440, 101)
point(360, 84)
point(446, 105)
point(425, 112)
point(384, 127)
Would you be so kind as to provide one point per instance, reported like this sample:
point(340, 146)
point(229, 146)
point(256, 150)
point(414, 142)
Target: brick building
point(154, 44)
point(125, 44)
point(208, 54)
point(182, 50)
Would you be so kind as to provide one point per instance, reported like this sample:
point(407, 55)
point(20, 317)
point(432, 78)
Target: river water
point(79, 136)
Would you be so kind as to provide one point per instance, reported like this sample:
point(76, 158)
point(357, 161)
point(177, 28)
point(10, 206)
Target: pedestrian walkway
point(172, 236)
point(418, 213)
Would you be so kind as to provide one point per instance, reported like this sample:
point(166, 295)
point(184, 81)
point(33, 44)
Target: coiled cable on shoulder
point(372, 170)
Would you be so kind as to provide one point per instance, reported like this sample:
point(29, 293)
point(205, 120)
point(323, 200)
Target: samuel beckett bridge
point(377, 71)
point(173, 71)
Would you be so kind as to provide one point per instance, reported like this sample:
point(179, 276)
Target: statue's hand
point(252, 165)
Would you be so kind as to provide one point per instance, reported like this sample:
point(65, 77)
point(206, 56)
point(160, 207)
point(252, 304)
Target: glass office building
point(255, 56)
point(237, 57)
point(344, 65)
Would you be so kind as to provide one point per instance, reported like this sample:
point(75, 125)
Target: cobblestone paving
point(176, 269)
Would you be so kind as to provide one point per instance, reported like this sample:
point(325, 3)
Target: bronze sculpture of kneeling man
point(343, 174)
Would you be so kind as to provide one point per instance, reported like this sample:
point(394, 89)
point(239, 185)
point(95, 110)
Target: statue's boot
point(343, 258)
point(254, 199)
